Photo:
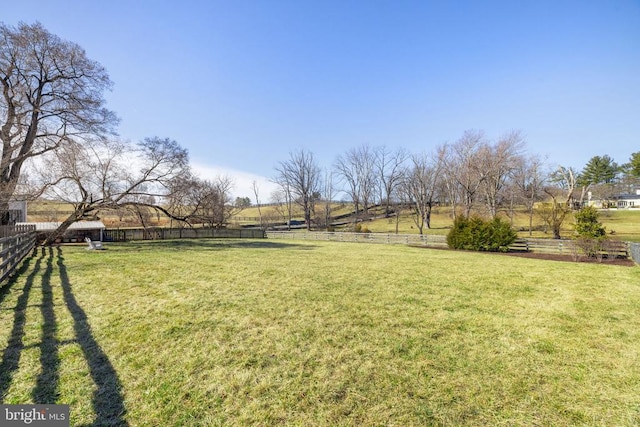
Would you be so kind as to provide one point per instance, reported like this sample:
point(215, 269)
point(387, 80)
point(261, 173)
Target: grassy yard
point(625, 224)
point(229, 332)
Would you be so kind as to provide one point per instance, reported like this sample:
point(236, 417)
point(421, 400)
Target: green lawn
point(625, 224)
point(259, 332)
point(621, 224)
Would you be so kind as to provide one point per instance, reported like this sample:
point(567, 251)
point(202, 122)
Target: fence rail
point(407, 239)
point(13, 249)
point(614, 248)
point(609, 248)
point(12, 230)
point(126, 234)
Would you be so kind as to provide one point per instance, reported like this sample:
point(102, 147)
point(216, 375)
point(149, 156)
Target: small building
point(17, 211)
point(628, 201)
point(75, 233)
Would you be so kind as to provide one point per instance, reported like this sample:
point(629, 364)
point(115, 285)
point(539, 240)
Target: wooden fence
point(406, 239)
point(126, 234)
point(608, 248)
point(14, 248)
point(12, 230)
point(614, 248)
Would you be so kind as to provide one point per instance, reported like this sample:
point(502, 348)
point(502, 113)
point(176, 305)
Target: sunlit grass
point(625, 224)
point(226, 332)
point(620, 224)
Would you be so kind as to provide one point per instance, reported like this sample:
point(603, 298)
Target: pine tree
point(587, 224)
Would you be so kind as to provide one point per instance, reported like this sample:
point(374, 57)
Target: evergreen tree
point(633, 167)
point(587, 224)
point(599, 170)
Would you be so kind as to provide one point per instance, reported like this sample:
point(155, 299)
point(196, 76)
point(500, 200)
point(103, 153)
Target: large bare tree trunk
point(50, 93)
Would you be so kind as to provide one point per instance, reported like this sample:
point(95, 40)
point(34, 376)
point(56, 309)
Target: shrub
point(590, 234)
point(476, 234)
point(587, 224)
point(359, 228)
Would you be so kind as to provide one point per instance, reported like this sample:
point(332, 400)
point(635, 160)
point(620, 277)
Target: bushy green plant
point(587, 224)
point(477, 234)
point(464, 233)
point(590, 233)
point(501, 235)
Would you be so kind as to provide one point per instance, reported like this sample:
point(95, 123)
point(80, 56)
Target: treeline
point(472, 176)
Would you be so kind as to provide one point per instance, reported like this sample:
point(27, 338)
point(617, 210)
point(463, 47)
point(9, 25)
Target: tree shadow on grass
point(11, 355)
point(46, 389)
point(108, 403)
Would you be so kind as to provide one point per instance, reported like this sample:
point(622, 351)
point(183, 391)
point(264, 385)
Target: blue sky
point(242, 83)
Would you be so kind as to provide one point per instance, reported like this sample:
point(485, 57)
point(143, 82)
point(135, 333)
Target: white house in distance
point(629, 201)
point(622, 201)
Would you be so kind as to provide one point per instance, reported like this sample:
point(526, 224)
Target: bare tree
point(420, 186)
point(401, 204)
point(389, 167)
point(52, 94)
point(357, 170)
point(495, 164)
point(555, 211)
point(450, 189)
point(464, 166)
point(256, 193)
point(302, 177)
point(99, 176)
point(142, 212)
point(182, 200)
point(567, 179)
point(327, 198)
point(207, 202)
point(212, 202)
point(281, 197)
point(529, 179)
point(346, 171)
point(477, 170)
